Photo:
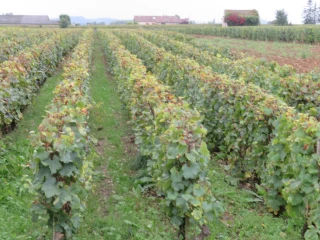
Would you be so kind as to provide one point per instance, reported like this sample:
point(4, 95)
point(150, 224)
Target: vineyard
point(124, 133)
point(297, 34)
point(307, 34)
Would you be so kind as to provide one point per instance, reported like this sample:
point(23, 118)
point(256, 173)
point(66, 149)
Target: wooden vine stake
point(318, 153)
point(183, 228)
point(305, 226)
point(58, 236)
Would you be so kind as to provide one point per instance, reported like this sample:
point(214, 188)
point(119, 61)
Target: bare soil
point(302, 65)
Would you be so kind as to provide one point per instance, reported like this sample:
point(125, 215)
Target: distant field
point(309, 34)
point(303, 57)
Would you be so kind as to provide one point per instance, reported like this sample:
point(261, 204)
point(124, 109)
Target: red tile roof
point(161, 19)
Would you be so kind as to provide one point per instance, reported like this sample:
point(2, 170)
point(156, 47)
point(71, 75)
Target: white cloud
point(198, 10)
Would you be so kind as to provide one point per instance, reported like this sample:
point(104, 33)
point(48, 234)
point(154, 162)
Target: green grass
point(246, 216)
point(265, 48)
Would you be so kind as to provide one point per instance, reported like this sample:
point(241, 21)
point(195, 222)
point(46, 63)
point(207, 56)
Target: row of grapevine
point(259, 135)
point(170, 133)
point(299, 92)
point(22, 75)
point(61, 170)
point(21, 39)
point(214, 56)
point(13, 32)
point(293, 34)
point(221, 51)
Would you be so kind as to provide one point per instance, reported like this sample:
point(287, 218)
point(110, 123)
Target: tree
point(64, 20)
point(315, 13)
point(309, 13)
point(213, 22)
point(281, 18)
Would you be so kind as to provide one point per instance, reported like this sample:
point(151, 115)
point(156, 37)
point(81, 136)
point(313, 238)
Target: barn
point(157, 20)
point(26, 20)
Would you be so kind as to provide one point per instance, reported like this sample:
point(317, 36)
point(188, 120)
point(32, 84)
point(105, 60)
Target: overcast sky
point(198, 10)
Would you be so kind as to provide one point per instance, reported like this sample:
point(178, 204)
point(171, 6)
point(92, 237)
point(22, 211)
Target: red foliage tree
point(235, 20)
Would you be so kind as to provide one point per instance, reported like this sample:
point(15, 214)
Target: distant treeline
point(121, 22)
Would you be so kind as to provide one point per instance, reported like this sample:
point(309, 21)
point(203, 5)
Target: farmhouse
point(26, 20)
point(241, 17)
point(155, 20)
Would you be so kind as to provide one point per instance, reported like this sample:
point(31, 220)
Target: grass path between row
point(117, 209)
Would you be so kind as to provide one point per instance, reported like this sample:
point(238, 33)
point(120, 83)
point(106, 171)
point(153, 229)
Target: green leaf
point(62, 199)
point(198, 191)
point(66, 158)
point(42, 153)
point(182, 149)
point(43, 174)
point(204, 150)
point(175, 175)
point(190, 157)
point(187, 197)
point(68, 169)
point(177, 186)
point(267, 111)
point(191, 199)
point(50, 188)
point(190, 172)
point(207, 206)
point(82, 131)
point(53, 164)
point(274, 204)
point(181, 202)
point(172, 152)
point(176, 220)
point(311, 234)
point(172, 195)
point(76, 221)
point(295, 200)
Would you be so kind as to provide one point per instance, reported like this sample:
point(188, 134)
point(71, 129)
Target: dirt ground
point(302, 65)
